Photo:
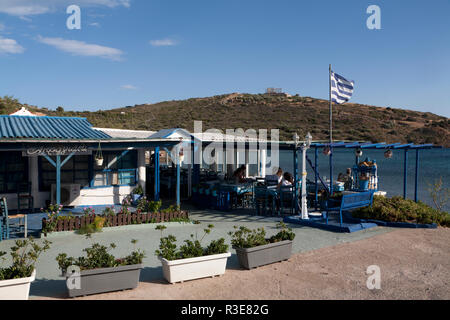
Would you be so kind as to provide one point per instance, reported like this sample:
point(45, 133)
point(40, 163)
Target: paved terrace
point(50, 284)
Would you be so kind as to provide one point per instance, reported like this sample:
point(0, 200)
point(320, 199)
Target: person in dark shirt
point(239, 174)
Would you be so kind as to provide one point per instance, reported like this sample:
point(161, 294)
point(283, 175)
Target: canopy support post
point(416, 187)
point(405, 173)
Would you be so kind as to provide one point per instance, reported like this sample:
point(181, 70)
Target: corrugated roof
point(48, 128)
point(166, 133)
point(122, 133)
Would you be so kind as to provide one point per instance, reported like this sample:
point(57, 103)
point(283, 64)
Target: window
point(13, 170)
point(118, 168)
point(75, 171)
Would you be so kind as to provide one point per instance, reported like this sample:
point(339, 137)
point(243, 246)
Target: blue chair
point(6, 220)
point(264, 200)
point(350, 201)
point(287, 198)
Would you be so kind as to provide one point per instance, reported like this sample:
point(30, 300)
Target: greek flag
point(341, 88)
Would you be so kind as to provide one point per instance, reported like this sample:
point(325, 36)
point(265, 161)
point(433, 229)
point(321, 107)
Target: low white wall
point(103, 196)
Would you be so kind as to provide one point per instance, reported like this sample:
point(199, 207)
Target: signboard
point(57, 150)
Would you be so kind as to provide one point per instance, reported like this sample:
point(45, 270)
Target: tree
point(439, 194)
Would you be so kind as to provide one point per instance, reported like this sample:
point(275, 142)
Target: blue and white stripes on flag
point(341, 88)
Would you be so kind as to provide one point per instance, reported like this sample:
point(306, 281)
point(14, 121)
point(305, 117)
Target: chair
point(6, 220)
point(287, 198)
point(350, 201)
point(24, 194)
point(264, 199)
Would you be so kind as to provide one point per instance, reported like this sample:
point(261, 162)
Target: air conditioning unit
point(69, 194)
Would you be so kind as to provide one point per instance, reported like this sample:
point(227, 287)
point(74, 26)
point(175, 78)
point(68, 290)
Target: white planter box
point(194, 268)
point(16, 289)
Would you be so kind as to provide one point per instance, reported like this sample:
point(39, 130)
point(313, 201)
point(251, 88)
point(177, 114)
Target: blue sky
point(143, 51)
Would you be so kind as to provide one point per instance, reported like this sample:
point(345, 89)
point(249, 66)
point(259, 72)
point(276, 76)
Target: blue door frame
point(58, 165)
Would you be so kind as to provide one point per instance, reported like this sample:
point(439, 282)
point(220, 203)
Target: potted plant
point(137, 194)
point(191, 260)
point(99, 271)
point(99, 156)
point(254, 249)
point(15, 280)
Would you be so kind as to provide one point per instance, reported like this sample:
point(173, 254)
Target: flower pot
point(99, 161)
point(266, 254)
point(106, 280)
point(364, 184)
point(16, 289)
point(194, 268)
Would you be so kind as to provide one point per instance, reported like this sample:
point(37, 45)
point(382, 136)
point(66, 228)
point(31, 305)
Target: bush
point(191, 248)
point(244, 237)
point(145, 205)
point(397, 209)
point(98, 256)
point(94, 227)
point(24, 254)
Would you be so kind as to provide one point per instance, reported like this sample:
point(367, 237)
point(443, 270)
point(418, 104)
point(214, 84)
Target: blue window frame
point(13, 170)
point(76, 171)
point(118, 168)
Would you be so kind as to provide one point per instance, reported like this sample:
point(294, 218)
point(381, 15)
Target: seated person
point(288, 180)
point(347, 178)
point(239, 174)
point(275, 179)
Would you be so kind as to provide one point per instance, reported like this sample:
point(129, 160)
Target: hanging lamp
point(99, 156)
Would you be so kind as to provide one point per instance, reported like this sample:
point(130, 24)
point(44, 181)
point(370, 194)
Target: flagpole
point(331, 109)
point(331, 136)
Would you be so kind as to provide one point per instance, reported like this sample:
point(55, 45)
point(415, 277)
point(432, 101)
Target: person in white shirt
point(288, 180)
point(275, 179)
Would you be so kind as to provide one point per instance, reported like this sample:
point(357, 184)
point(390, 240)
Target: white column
point(230, 161)
point(216, 161)
point(304, 195)
point(141, 168)
point(263, 158)
point(247, 160)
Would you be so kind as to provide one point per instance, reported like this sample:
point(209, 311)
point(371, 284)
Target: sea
point(433, 165)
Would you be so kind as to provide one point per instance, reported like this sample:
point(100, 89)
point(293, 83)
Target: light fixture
point(308, 140)
point(181, 156)
point(358, 152)
point(296, 139)
point(388, 154)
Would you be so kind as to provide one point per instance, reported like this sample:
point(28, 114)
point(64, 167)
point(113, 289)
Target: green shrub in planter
point(244, 237)
point(99, 256)
point(24, 255)
point(253, 249)
point(192, 260)
point(100, 271)
point(191, 248)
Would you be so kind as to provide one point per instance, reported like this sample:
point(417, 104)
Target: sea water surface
point(433, 164)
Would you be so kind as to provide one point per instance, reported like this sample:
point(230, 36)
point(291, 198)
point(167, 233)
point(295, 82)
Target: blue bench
point(351, 201)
